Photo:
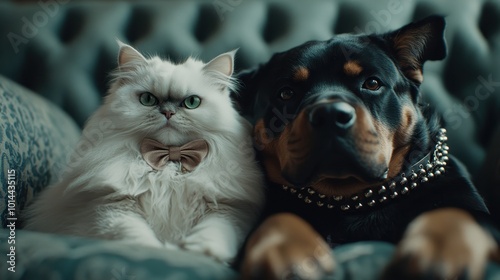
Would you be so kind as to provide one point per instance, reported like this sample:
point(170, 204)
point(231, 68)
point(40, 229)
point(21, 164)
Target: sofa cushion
point(36, 138)
point(82, 258)
point(48, 256)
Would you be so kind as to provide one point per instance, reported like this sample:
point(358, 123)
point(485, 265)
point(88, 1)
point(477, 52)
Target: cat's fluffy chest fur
point(110, 191)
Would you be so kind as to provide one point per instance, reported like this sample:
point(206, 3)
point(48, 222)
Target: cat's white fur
point(110, 192)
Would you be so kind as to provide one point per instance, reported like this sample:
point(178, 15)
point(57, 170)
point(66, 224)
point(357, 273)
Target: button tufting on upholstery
point(465, 62)
point(350, 18)
point(277, 23)
point(72, 25)
point(423, 10)
point(105, 63)
point(134, 31)
point(488, 23)
point(207, 23)
point(35, 69)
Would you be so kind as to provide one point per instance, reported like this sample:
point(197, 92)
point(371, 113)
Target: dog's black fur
point(274, 96)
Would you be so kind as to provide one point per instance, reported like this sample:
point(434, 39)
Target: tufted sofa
point(55, 57)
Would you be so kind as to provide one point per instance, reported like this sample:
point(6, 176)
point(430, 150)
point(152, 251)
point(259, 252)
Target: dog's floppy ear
point(248, 83)
point(417, 42)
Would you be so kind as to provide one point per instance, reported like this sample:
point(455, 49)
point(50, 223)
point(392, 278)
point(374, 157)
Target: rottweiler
point(352, 153)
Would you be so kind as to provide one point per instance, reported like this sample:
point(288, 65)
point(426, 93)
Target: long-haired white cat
point(166, 161)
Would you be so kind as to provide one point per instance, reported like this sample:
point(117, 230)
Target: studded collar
point(429, 167)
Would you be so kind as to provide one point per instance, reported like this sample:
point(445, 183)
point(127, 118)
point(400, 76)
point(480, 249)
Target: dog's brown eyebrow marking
point(352, 68)
point(301, 74)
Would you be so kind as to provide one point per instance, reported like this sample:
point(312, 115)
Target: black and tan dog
point(350, 155)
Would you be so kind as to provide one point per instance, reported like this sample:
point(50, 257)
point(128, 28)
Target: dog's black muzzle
point(336, 152)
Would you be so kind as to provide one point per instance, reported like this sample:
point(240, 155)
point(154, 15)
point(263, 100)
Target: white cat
point(110, 191)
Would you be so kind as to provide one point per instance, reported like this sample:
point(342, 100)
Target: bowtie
point(190, 154)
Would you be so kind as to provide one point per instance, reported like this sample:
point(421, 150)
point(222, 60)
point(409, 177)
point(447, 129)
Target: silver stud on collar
point(368, 193)
point(394, 195)
point(428, 168)
point(405, 190)
point(382, 190)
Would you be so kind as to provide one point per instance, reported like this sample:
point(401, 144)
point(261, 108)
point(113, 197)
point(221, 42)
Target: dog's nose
point(339, 114)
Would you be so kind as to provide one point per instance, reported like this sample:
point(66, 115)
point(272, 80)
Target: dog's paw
point(286, 247)
point(442, 244)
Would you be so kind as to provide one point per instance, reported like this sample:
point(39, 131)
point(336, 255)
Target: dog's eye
point(286, 93)
point(372, 84)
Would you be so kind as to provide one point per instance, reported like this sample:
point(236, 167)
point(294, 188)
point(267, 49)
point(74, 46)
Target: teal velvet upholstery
point(48, 256)
point(79, 258)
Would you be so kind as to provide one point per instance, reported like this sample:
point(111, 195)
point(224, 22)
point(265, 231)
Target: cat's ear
point(129, 55)
point(221, 68)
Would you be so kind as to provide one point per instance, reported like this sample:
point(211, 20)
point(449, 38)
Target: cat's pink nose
point(168, 114)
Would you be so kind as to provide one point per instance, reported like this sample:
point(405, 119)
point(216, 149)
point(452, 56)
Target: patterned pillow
point(36, 138)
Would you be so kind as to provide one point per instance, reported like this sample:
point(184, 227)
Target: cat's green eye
point(148, 99)
point(192, 102)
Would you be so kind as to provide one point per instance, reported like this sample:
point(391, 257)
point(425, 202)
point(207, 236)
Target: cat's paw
point(442, 244)
point(171, 246)
point(286, 247)
point(214, 237)
point(219, 251)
